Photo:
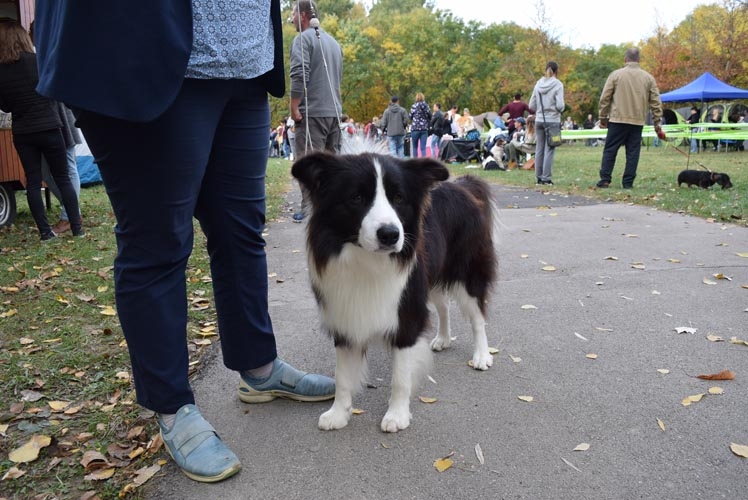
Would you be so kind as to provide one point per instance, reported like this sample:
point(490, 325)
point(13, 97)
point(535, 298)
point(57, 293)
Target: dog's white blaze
point(380, 214)
point(360, 291)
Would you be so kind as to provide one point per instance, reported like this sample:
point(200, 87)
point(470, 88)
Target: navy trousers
point(629, 136)
point(206, 157)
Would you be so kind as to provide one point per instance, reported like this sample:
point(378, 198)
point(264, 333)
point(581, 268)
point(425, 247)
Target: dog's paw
point(394, 420)
point(333, 419)
point(482, 360)
point(440, 343)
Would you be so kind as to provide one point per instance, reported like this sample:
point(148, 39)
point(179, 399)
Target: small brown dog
point(703, 179)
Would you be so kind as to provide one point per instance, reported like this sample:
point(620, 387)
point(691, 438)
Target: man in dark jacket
point(437, 127)
point(394, 121)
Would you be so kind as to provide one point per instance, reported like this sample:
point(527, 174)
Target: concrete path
point(621, 280)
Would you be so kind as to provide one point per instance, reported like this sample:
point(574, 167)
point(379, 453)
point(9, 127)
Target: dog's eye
point(397, 199)
point(356, 199)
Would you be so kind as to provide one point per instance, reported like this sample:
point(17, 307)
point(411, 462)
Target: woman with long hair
point(36, 127)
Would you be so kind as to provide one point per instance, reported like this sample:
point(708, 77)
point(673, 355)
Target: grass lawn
point(64, 366)
point(576, 171)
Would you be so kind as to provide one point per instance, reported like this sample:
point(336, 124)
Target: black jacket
point(31, 111)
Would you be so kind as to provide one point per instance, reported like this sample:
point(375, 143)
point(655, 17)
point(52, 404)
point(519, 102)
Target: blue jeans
point(75, 179)
point(397, 145)
point(418, 143)
point(205, 157)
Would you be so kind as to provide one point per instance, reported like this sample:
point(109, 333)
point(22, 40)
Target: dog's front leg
point(407, 366)
point(349, 371)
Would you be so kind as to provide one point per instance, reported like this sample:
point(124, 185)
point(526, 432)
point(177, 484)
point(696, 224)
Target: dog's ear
point(427, 168)
point(309, 169)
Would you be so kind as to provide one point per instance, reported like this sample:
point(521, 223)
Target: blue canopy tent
point(705, 88)
point(708, 88)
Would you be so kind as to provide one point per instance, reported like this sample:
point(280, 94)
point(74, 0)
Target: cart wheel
point(7, 205)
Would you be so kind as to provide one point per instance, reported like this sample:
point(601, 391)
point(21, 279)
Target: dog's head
point(370, 200)
point(723, 180)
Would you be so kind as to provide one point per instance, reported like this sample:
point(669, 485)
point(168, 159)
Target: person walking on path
point(177, 116)
point(628, 94)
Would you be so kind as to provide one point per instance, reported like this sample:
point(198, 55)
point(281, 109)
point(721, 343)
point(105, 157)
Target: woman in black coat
point(36, 126)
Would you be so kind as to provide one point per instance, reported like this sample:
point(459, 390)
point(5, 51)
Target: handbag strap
point(542, 109)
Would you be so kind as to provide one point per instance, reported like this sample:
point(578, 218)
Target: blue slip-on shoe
point(298, 217)
point(287, 382)
point(196, 448)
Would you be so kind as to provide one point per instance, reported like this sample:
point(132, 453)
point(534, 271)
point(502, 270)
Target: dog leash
point(689, 157)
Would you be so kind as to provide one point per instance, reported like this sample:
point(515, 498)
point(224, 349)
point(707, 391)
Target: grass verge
point(64, 364)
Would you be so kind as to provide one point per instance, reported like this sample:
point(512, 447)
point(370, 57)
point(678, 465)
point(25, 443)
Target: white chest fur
point(360, 293)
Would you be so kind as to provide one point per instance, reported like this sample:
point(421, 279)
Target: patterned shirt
point(231, 39)
point(421, 116)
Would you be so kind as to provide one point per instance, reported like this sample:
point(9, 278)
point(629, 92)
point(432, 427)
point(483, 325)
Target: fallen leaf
point(58, 405)
point(610, 257)
point(692, 399)
point(740, 450)
point(549, 268)
point(516, 359)
point(735, 340)
point(674, 261)
point(716, 390)
point(528, 306)
point(742, 254)
point(108, 311)
point(102, 289)
point(493, 350)
point(479, 454)
point(714, 338)
point(99, 475)
point(661, 424)
point(591, 356)
point(144, 474)
point(443, 464)
point(664, 371)
point(581, 337)
point(13, 473)
point(358, 411)
point(707, 281)
point(582, 447)
point(721, 276)
point(31, 396)
point(526, 399)
point(30, 450)
point(638, 266)
point(425, 399)
point(723, 375)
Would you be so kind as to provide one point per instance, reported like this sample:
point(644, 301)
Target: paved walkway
point(577, 278)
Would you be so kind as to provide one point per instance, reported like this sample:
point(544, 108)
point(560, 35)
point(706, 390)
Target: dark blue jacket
point(123, 58)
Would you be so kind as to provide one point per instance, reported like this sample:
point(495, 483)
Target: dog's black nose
point(388, 234)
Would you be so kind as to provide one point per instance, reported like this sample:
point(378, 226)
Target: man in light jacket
point(628, 94)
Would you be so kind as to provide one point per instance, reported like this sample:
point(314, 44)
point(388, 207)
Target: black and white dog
point(384, 239)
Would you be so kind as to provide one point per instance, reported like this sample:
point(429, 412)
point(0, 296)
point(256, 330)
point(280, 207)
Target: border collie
point(381, 245)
